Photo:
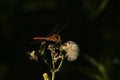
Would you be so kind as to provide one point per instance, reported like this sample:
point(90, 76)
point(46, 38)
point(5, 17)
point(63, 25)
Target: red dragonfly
point(54, 37)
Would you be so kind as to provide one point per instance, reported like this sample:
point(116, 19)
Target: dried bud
point(33, 56)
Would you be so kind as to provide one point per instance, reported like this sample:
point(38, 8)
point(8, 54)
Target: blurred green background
point(94, 25)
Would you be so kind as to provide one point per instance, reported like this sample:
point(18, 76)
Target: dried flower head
point(72, 50)
point(55, 54)
point(32, 56)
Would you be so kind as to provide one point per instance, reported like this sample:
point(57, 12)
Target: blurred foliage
point(94, 26)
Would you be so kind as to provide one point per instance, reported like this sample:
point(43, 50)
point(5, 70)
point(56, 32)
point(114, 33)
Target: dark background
point(95, 31)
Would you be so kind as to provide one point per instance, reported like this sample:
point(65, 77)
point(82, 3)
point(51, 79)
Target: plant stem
point(53, 68)
point(60, 64)
point(53, 75)
point(53, 64)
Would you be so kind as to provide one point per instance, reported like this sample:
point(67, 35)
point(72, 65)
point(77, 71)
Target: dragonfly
point(55, 37)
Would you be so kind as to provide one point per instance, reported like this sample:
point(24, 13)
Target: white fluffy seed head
point(72, 50)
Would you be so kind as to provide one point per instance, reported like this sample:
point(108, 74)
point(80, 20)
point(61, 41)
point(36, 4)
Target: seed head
point(72, 50)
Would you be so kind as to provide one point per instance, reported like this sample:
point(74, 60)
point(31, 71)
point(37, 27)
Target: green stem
point(53, 64)
point(60, 64)
point(53, 68)
point(53, 75)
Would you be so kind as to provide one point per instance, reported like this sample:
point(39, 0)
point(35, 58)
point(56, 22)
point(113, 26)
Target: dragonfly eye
point(57, 36)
